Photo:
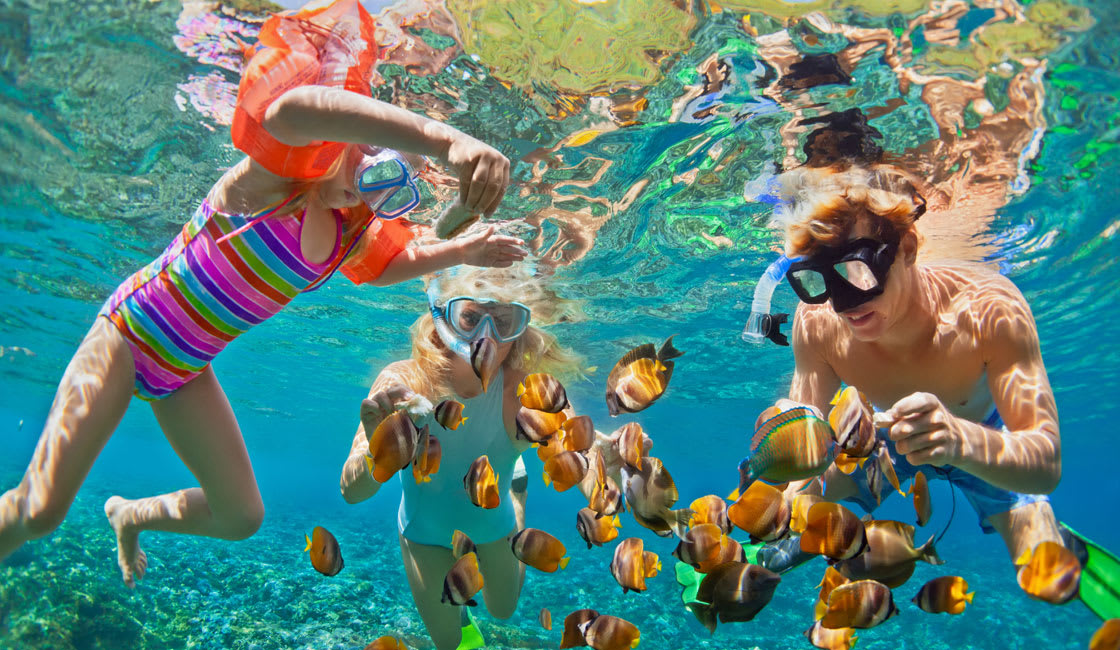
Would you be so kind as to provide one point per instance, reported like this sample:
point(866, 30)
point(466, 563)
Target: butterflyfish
point(947, 594)
point(428, 455)
point(826, 639)
point(793, 445)
point(880, 468)
point(392, 446)
point(833, 531)
point(564, 470)
point(923, 507)
point(606, 497)
point(449, 414)
point(387, 643)
point(538, 426)
point(326, 556)
point(700, 546)
point(733, 592)
point(651, 494)
point(890, 554)
point(596, 530)
point(481, 483)
point(577, 433)
point(463, 581)
point(610, 633)
point(851, 422)
point(1107, 636)
point(573, 635)
point(640, 377)
point(860, 604)
point(542, 392)
point(632, 564)
point(831, 580)
point(545, 618)
point(761, 511)
point(710, 509)
point(1050, 572)
point(484, 359)
point(630, 442)
point(799, 511)
point(461, 544)
point(539, 550)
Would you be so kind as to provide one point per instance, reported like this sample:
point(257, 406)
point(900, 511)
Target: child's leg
point(91, 400)
point(1027, 526)
point(426, 567)
point(503, 575)
point(199, 423)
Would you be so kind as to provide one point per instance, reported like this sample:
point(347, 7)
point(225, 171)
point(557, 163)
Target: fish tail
point(564, 562)
point(547, 479)
point(929, 554)
point(706, 614)
point(679, 521)
point(308, 547)
point(520, 389)
point(969, 596)
point(667, 350)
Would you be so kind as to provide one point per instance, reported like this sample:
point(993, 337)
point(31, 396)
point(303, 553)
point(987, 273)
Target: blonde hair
point(821, 205)
point(535, 351)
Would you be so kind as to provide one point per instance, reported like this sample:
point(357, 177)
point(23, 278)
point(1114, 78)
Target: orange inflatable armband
point(383, 241)
point(330, 46)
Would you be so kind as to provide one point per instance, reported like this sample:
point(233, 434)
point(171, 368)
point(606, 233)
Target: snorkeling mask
point(385, 182)
point(850, 274)
point(463, 319)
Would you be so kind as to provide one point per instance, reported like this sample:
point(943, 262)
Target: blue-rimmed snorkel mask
point(385, 182)
point(461, 320)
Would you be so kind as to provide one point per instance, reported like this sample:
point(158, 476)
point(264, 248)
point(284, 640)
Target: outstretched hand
point(483, 173)
point(488, 249)
point(381, 405)
point(925, 431)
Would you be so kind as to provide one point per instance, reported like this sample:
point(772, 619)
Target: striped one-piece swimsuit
point(178, 312)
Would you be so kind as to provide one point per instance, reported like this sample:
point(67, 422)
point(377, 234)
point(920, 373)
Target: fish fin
point(929, 553)
point(308, 547)
point(836, 397)
point(1025, 558)
point(734, 496)
point(520, 389)
point(564, 562)
point(547, 479)
point(852, 643)
point(706, 614)
point(969, 596)
point(679, 524)
point(667, 350)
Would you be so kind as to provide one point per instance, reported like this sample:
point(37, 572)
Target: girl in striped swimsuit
point(318, 184)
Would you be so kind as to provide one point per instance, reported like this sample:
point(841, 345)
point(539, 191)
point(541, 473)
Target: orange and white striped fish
point(632, 564)
point(577, 433)
point(923, 507)
point(387, 643)
point(630, 442)
point(449, 414)
point(947, 594)
point(573, 634)
point(542, 392)
point(640, 377)
point(596, 530)
point(484, 359)
point(700, 546)
point(761, 511)
point(462, 582)
point(539, 550)
point(799, 511)
point(851, 421)
point(1050, 572)
point(860, 604)
point(481, 482)
point(610, 633)
point(564, 470)
point(826, 639)
point(710, 509)
point(392, 446)
point(606, 497)
point(461, 544)
point(537, 426)
point(833, 531)
point(428, 455)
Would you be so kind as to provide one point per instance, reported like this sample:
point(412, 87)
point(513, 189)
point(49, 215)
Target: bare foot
point(132, 560)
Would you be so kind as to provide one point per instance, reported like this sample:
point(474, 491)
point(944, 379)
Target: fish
point(729, 551)
point(860, 604)
point(826, 639)
point(846, 463)
point(573, 635)
point(539, 550)
point(610, 633)
point(596, 530)
point(880, 467)
point(564, 470)
point(831, 580)
point(761, 511)
point(947, 594)
point(481, 482)
point(392, 446)
point(606, 497)
point(640, 377)
point(734, 592)
point(542, 392)
point(833, 531)
point(923, 507)
point(449, 414)
point(710, 509)
point(1107, 636)
point(890, 554)
point(629, 441)
point(632, 564)
point(538, 426)
point(463, 581)
point(577, 433)
point(544, 452)
point(461, 544)
point(326, 556)
point(793, 445)
point(428, 455)
point(484, 359)
point(851, 421)
point(1050, 572)
point(799, 511)
point(387, 643)
point(545, 618)
point(651, 493)
point(700, 546)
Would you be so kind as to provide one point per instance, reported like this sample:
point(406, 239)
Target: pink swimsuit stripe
point(220, 276)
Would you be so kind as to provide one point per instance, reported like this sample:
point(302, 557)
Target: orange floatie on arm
point(383, 241)
point(331, 46)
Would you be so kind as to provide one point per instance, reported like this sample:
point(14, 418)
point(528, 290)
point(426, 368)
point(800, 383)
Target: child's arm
point(387, 391)
point(483, 248)
point(309, 114)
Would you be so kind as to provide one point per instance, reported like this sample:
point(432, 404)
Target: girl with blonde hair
point(475, 303)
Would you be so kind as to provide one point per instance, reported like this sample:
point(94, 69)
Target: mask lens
point(858, 274)
point(811, 282)
point(466, 316)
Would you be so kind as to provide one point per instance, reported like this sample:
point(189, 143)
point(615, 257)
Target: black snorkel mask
point(850, 274)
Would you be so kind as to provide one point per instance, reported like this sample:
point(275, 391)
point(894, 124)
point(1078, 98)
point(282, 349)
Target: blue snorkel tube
point(762, 324)
point(439, 318)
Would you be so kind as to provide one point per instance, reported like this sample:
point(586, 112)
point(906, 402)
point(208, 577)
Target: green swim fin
point(1100, 578)
point(690, 579)
point(472, 636)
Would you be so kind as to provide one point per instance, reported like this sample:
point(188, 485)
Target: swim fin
point(690, 578)
point(472, 636)
point(1100, 574)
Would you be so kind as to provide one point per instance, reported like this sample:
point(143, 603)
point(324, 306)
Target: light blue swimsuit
point(985, 498)
point(430, 512)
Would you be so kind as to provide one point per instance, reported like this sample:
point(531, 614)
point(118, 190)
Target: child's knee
point(245, 522)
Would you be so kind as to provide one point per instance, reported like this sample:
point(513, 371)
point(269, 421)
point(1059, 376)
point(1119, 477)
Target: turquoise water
point(114, 124)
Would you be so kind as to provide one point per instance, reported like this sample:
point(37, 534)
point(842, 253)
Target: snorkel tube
point(762, 324)
point(461, 348)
